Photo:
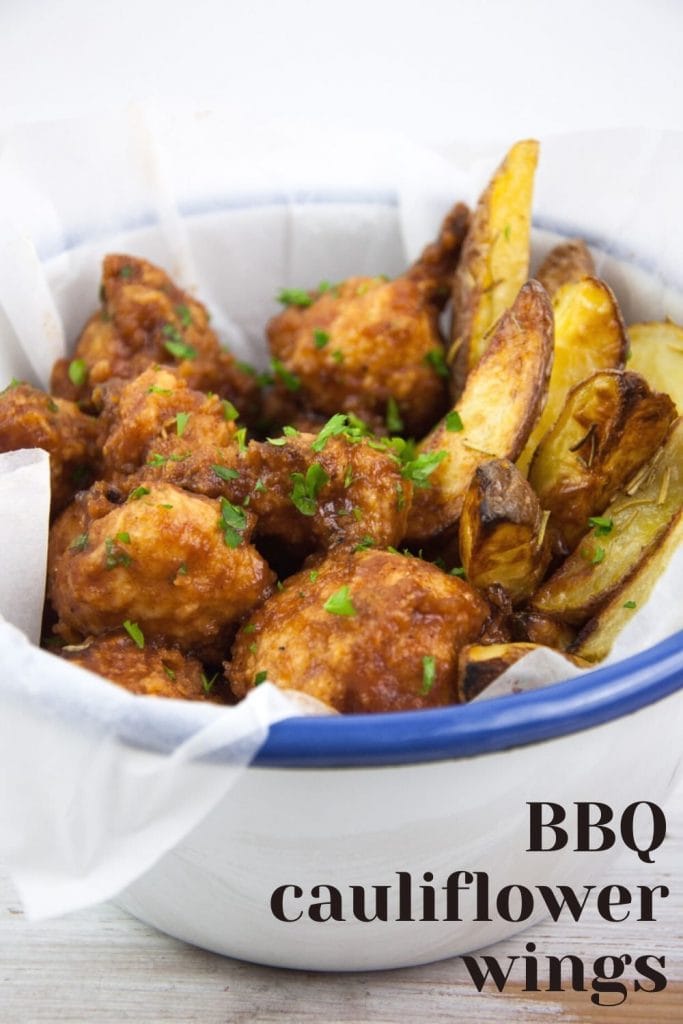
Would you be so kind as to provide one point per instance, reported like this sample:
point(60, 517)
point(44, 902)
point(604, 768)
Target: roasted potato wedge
point(480, 664)
point(566, 263)
point(631, 528)
point(589, 336)
point(495, 258)
point(502, 531)
point(595, 641)
point(514, 370)
point(530, 626)
point(657, 354)
point(610, 426)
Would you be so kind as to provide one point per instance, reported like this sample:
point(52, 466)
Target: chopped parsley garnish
point(241, 438)
point(337, 424)
point(420, 469)
point(602, 525)
point(340, 603)
point(52, 405)
point(157, 460)
point(458, 571)
point(306, 488)
point(232, 522)
point(175, 344)
point(290, 431)
point(338, 356)
point(294, 297)
point(428, 673)
point(14, 383)
point(230, 413)
point(393, 418)
point(630, 604)
point(207, 684)
point(154, 389)
point(126, 271)
point(182, 569)
point(135, 633)
point(184, 315)
point(313, 575)
point(437, 361)
point(320, 338)
point(260, 677)
point(400, 498)
point(138, 493)
point(348, 477)
point(260, 487)
point(454, 423)
point(277, 442)
point(123, 538)
point(364, 543)
point(251, 628)
point(181, 421)
point(79, 543)
point(168, 672)
point(163, 505)
point(225, 473)
point(114, 556)
point(598, 556)
point(289, 379)
point(78, 372)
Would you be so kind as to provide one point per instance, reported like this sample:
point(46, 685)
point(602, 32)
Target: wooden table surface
point(102, 966)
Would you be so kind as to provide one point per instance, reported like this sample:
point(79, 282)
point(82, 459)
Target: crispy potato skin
point(405, 610)
point(380, 337)
point(640, 517)
point(657, 354)
point(166, 568)
point(610, 426)
point(143, 312)
point(595, 640)
point(589, 336)
point(495, 258)
point(479, 665)
point(502, 532)
point(29, 418)
point(516, 366)
point(533, 627)
point(158, 670)
point(567, 263)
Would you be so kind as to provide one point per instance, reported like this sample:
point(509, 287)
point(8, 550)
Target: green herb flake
point(458, 571)
point(113, 556)
point(260, 487)
point(14, 383)
point(184, 315)
point(400, 498)
point(428, 674)
point(630, 604)
point(280, 585)
point(313, 575)
point(454, 422)
point(126, 272)
point(285, 376)
point(79, 543)
point(181, 421)
point(364, 543)
point(393, 417)
point(207, 684)
point(78, 372)
point(155, 390)
point(336, 425)
point(602, 525)
point(232, 522)
point(598, 556)
point(123, 538)
point(230, 413)
point(277, 442)
point(420, 469)
point(241, 438)
point(168, 672)
point(182, 569)
point(348, 477)
point(157, 460)
point(305, 489)
point(294, 297)
point(260, 677)
point(251, 628)
point(52, 405)
point(290, 432)
point(338, 356)
point(135, 633)
point(320, 338)
point(340, 603)
point(175, 344)
point(225, 473)
point(437, 361)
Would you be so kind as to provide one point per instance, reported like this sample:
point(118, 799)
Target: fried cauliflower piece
point(372, 346)
point(179, 565)
point(155, 670)
point(368, 631)
point(29, 418)
point(146, 319)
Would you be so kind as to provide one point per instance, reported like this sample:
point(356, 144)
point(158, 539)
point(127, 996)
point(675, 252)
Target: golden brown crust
point(157, 670)
point(162, 560)
point(529, 625)
point(567, 263)
point(479, 665)
point(29, 418)
point(405, 610)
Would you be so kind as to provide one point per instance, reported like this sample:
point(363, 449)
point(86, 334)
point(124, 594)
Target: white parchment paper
point(84, 807)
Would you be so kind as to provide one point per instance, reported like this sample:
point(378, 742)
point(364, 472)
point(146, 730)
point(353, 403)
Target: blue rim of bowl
point(412, 737)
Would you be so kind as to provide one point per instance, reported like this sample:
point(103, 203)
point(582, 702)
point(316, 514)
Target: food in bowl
point(359, 522)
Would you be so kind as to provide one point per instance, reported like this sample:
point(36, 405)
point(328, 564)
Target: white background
point(430, 68)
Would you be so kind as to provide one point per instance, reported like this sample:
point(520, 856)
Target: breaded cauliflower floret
point(370, 631)
point(179, 565)
point(372, 346)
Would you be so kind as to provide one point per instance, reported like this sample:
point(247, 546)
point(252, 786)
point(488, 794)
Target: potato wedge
point(566, 263)
point(480, 664)
point(495, 413)
point(589, 336)
point(502, 531)
point(495, 258)
point(657, 354)
point(535, 628)
point(610, 426)
point(630, 529)
point(595, 641)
